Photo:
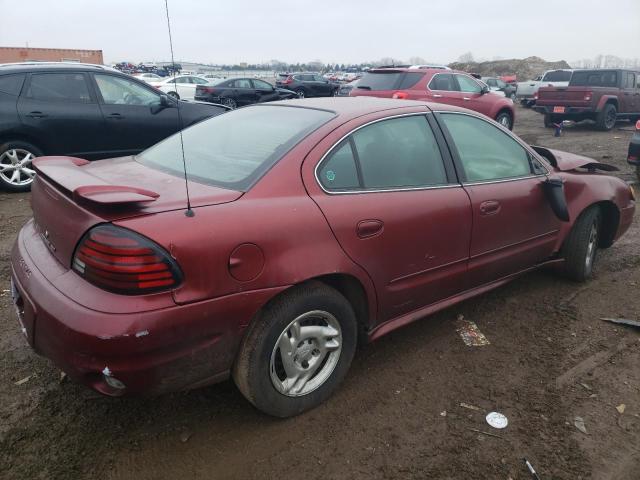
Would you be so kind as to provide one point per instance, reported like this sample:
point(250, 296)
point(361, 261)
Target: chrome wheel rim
point(230, 103)
point(611, 119)
point(504, 121)
point(301, 94)
point(591, 246)
point(306, 353)
point(15, 167)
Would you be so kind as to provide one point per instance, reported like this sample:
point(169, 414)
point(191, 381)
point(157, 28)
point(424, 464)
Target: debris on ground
point(620, 408)
point(470, 407)
point(579, 423)
point(185, 436)
point(24, 380)
point(622, 321)
point(470, 333)
point(531, 470)
point(485, 433)
point(497, 420)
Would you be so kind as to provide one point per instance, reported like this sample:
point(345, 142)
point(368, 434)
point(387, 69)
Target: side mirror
point(484, 90)
point(554, 192)
point(165, 101)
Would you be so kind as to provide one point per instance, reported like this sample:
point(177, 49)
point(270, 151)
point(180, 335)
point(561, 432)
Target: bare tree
point(466, 58)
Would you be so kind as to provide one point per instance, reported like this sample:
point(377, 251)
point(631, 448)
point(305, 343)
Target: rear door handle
point(490, 207)
point(369, 228)
point(115, 116)
point(466, 98)
point(36, 115)
point(436, 95)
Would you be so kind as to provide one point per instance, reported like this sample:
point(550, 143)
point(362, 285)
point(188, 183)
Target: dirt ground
point(398, 413)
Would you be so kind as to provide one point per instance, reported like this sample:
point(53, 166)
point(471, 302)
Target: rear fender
point(606, 99)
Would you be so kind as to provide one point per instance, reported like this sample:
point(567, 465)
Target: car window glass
point(339, 172)
point(594, 78)
point(199, 81)
point(630, 80)
point(261, 85)
point(243, 83)
point(59, 87)
point(400, 152)
point(500, 83)
point(443, 82)
point(380, 80)
point(122, 91)
point(467, 84)
point(409, 80)
point(486, 152)
point(491, 82)
point(557, 76)
point(11, 84)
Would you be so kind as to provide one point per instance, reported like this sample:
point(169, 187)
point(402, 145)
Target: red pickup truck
point(603, 96)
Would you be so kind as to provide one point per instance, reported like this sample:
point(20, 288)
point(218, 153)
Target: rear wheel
point(607, 117)
point(505, 119)
point(298, 350)
point(230, 102)
point(16, 171)
point(581, 246)
point(301, 93)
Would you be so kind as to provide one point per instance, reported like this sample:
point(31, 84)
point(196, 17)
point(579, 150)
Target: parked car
point(634, 150)
point(603, 96)
point(79, 110)
point(498, 85)
point(308, 85)
point(436, 85)
point(181, 86)
point(527, 92)
point(148, 77)
point(239, 92)
point(306, 231)
point(345, 89)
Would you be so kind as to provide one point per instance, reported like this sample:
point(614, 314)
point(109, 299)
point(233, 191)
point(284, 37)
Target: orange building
point(19, 54)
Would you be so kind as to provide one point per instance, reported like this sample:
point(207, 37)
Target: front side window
point(59, 87)
point(243, 83)
point(198, 81)
point(467, 84)
point(235, 149)
point(443, 82)
point(485, 151)
point(390, 154)
point(11, 84)
point(122, 91)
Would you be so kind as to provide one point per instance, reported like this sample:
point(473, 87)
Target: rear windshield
point(557, 76)
point(235, 149)
point(389, 80)
point(595, 78)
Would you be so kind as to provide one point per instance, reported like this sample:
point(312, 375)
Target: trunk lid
point(565, 96)
point(71, 195)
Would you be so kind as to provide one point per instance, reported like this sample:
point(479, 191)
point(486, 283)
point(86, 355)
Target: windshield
point(594, 78)
point(557, 76)
point(235, 149)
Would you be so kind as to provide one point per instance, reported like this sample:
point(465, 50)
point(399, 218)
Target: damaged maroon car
point(312, 225)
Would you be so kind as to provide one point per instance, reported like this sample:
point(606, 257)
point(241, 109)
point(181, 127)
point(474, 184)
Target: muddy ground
point(398, 413)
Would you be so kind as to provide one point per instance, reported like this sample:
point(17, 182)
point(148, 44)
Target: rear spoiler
point(564, 161)
point(68, 174)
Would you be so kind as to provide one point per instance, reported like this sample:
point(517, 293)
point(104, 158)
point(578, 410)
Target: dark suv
point(79, 110)
point(308, 85)
point(603, 96)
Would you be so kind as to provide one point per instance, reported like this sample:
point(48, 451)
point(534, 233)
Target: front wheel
point(174, 95)
point(16, 171)
point(581, 246)
point(301, 93)
point(230, 102)
point(505, 119)
point(297, 351)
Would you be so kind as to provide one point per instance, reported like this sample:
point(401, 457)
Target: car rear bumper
point(149, 352)
point(568, 111)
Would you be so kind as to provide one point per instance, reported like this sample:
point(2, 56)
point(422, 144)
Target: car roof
point(25, 67)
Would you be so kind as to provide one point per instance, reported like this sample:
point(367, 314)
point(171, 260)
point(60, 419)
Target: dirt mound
point(525, 69)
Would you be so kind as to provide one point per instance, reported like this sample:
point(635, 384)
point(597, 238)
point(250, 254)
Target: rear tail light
point(401, 95)
point(588, 96)
point(638, 125)
point(206, 90)
point(288, 80)
point(121, 261)
point(535, 96)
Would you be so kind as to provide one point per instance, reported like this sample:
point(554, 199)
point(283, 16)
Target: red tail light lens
point(288, 80)
point(121, 261)
point(401, 95)
point(587, 96)
point(638, 125)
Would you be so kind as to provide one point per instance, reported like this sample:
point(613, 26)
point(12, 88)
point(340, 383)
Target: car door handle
point(466, 98)
point(436, 95)
point(369, 228)
point(490, 207)
point(36, 115)
point(115, 116)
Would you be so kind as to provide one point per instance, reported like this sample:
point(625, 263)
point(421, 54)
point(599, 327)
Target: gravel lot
point(398, 413)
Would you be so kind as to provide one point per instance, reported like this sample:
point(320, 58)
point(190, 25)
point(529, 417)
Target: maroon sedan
point(312, 224)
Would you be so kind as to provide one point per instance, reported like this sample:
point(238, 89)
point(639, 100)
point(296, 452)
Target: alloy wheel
point(230, 102)
point(306, 353)
point(15, 167)
point(300, 93)
point(592, 246)
point(610, 120)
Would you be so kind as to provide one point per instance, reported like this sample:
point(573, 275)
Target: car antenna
point(189, 212)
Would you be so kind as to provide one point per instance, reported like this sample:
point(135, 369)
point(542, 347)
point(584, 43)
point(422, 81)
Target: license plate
point(558, 109)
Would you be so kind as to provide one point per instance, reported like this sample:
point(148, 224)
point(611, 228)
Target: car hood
point(565, 161)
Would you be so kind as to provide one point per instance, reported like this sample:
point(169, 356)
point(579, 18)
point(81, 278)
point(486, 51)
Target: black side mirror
point(554, 192)
point(484, 90)
point(165, 102)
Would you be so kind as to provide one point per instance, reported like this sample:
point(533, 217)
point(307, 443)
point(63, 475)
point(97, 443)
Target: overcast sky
point(253, 31)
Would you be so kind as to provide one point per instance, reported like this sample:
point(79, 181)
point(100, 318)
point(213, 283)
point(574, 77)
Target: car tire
point(301, 93)
point(10, 153)
point(230, 102)
point(505, 119)
point(513, 97)
point(259, 370)
point(607, 117)
point(174, 95)
point(581, 246)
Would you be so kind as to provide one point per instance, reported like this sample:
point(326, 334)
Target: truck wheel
point(548, 120)
point(297, 351)
point(580, 247)
point(607, 117)
point(16, 172)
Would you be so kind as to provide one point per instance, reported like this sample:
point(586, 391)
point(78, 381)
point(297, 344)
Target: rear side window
point(595, 78)
point(630, 80)
point(59, 87)
point(443, 82)
point(11, 84)
point(390, 154)
point(409, 80)
point(557, 76)
point(486, 152)
point(380, 80)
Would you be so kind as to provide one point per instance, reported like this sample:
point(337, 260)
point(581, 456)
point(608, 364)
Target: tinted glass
point(491, 82)
point(339, 172)
point(11, 84)
point(467, 84)
point(594, 78)
point(122, 91)
point(235, 149)
point(409, 80)
point(243, 83)
point(486, 152)
point(199, 81)
point(261, 85)
point(630, 80)
point(444, 82)
point(59, 87)
point(557, 76)
point(500, 83)
point(380, 80)
point(400, 152)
